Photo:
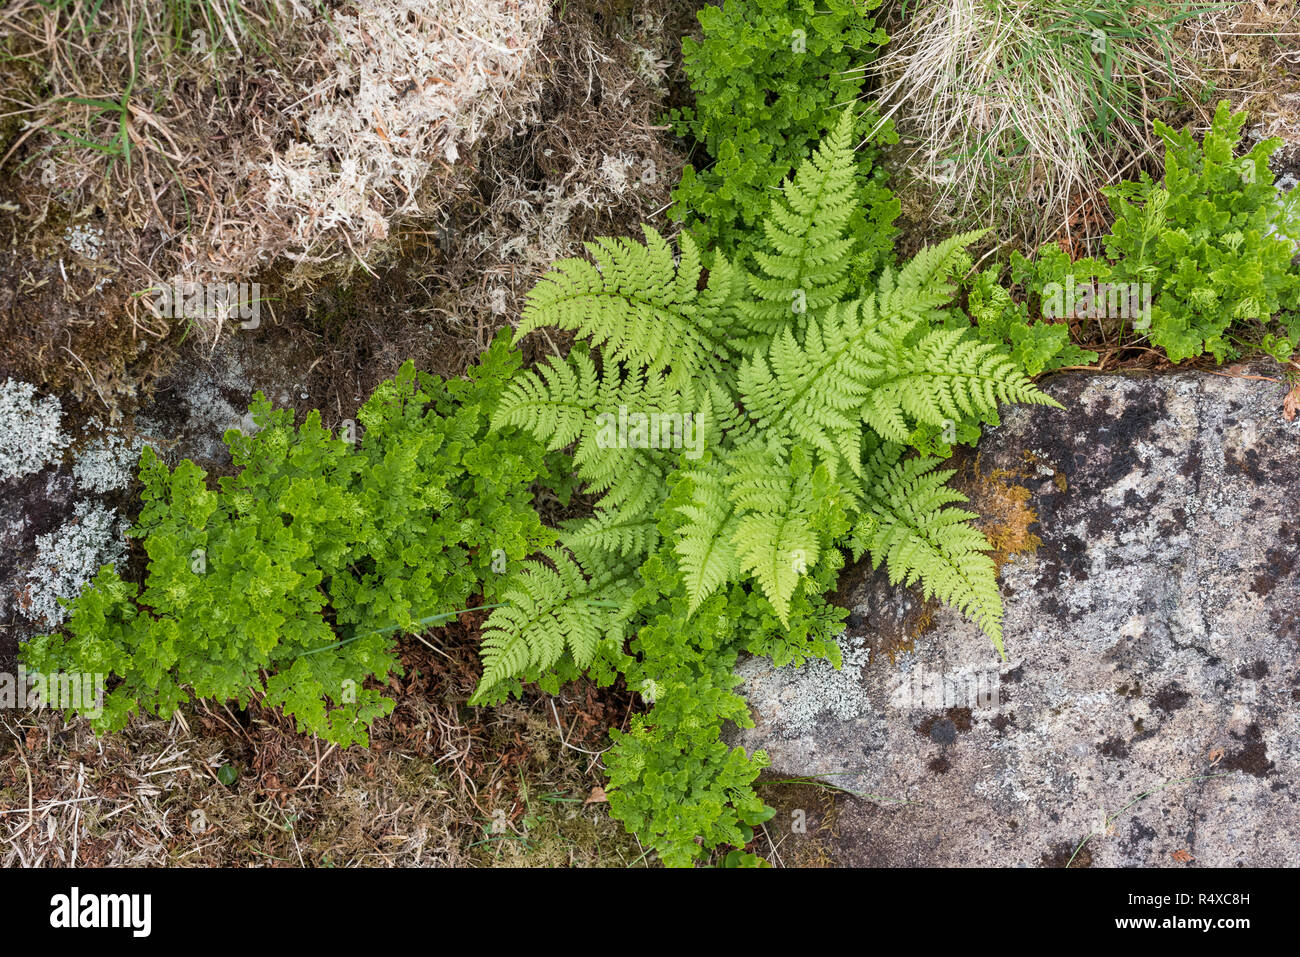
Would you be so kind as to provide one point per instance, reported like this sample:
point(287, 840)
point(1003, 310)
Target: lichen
point(796, 697)
point(68, 558)
point(31, 435)
point(106, 464)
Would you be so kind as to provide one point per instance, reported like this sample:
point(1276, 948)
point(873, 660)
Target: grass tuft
point(1017, 109)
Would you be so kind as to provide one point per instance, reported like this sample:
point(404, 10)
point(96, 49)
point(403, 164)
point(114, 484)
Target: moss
point(1004, 509)
point(550, 812)
point(558, 829)
point(1007, 518)
point(802, 831)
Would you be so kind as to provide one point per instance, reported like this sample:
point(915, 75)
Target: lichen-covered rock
point(68, 558)
point(1148, 709)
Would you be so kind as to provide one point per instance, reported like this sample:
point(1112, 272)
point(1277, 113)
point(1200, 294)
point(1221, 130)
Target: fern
point(611, 533)
point(548, 610)
point(945, 377)
point(1035, 347)
point(639, 305)
point(908, 522)
point(803, 416)
point(805, 261)
point(811, 390)
point(705, 545)
point(776, 537)
point(555, 402)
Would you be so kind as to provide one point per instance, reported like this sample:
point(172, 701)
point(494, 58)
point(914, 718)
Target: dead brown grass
point(588, 159)
point(293, 146)
point(441, 784)
point(801, 833)
point(303, 137)
point(575, 152)
point(1251, 52)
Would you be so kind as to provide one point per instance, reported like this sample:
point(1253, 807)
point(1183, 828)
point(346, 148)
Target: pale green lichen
point(68, 558)
point(30, 432)
point(795, 698)
point(106, 464)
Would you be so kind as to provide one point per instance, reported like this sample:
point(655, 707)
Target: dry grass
point(1251, 54)
point(802, 831)
point(441, 784)
point(1014, 111)
point(436, 258)
point(306, 142)
point(592, 160)
point(588, 159)
point(288, 150)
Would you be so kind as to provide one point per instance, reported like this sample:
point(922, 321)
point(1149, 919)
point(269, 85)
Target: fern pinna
point(803, 394)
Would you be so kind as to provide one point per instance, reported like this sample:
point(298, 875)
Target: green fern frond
point(810, 390)
point(948, 376)
point(613, 533)
point(548, 609)
point(774, 537)
point(556, 402)
point(631, 485)
point(935, 266)
point(804, 263)
point(563, 404)
point(910, 524)
point(641, 307)
point(815, 389)
point(705, 548)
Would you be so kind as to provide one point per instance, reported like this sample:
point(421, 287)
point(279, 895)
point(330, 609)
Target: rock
point(1148, 704)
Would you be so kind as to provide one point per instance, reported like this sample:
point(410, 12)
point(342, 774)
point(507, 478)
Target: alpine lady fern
point(804, 391)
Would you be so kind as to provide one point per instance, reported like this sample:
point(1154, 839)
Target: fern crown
point(807, 393)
